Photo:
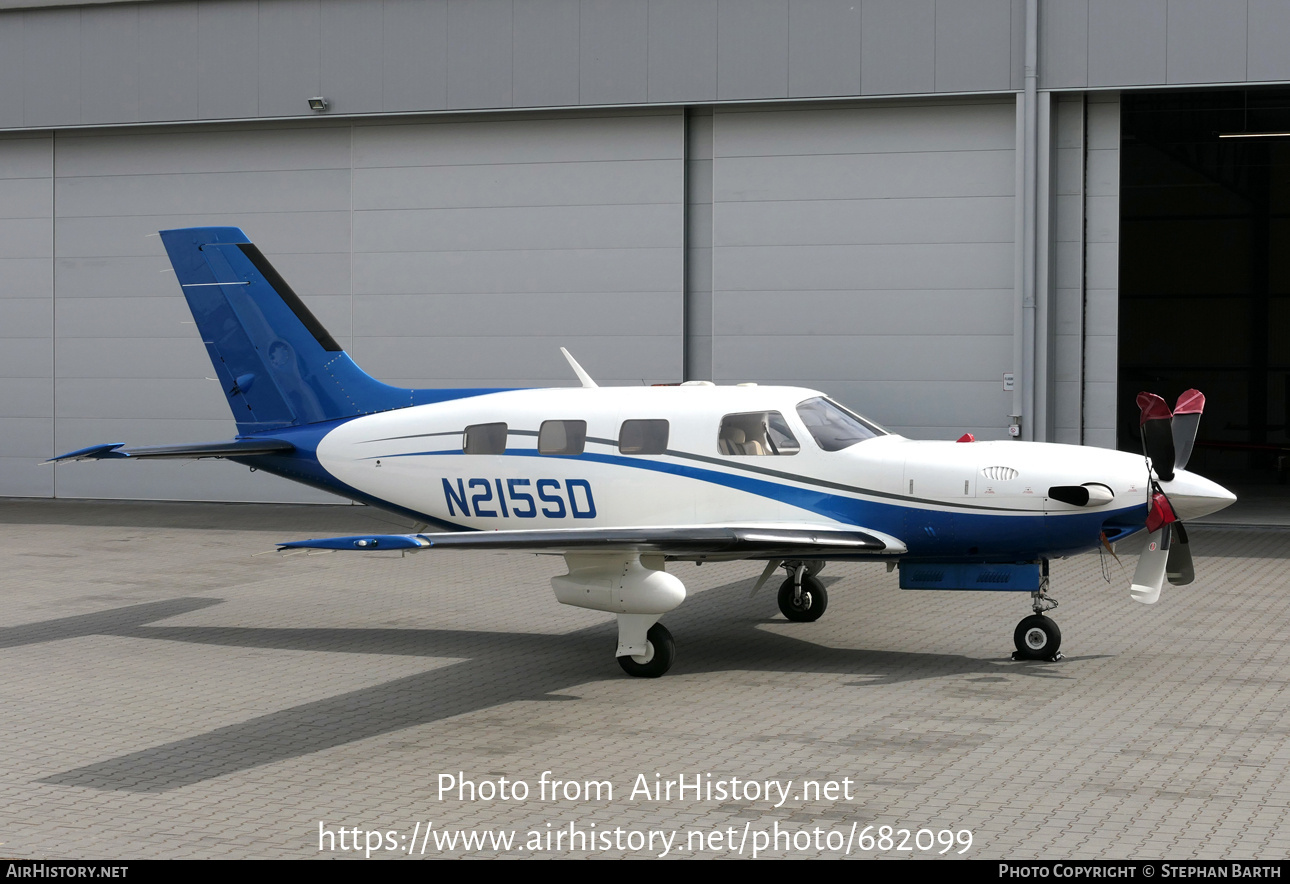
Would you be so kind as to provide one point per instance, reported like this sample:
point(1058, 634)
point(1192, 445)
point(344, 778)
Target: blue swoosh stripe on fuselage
point(925, 532)
point(303, 466)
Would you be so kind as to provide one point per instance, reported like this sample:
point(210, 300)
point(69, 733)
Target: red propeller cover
point(1161, 512)
point(1190, 402)
point(966, 437)
point(1154, 408)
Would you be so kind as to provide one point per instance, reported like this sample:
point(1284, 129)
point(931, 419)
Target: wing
point(706, 541)
point(230, 448)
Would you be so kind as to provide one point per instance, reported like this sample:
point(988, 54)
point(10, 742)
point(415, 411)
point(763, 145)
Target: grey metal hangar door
point(867, 250)
point(444, 252)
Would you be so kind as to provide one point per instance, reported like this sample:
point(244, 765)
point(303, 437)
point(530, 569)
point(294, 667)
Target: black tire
point(814, 600)
point(1037, 638)
point(658, 660)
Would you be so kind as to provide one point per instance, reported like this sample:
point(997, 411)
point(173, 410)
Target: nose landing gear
point(1037, 637)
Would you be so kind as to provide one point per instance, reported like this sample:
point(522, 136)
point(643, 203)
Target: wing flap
point(704, 540)
point(229, 448)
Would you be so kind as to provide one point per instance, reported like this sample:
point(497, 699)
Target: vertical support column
point(1031, 241)
point(1042, 398)
point(1017, 416)
point(698, 244)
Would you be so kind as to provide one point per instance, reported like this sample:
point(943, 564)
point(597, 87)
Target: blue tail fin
point(279, 367)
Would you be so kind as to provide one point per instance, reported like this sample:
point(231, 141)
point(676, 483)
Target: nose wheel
point(1037, 638)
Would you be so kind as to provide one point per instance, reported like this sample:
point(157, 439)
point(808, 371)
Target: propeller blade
point(1157, 434)
point(1179, 570)
point(1150, 573)
point(1186, 419)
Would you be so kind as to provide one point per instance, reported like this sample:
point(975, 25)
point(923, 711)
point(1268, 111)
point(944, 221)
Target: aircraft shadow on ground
point(719, 634)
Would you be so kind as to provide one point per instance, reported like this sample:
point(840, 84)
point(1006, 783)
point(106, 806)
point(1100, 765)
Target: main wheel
point(809, 606)
point(660, 651)
point(1037, 638)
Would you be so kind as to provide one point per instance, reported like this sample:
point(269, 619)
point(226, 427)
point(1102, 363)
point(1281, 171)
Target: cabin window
point(484, 439)
point(834, 427)
point(562, 437)
point(643, 437)
point(756, 433)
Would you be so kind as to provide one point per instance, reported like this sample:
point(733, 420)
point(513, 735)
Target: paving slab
point(167, 692)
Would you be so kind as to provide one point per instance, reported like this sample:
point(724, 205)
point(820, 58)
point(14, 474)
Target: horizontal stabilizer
point(231, 448)
point(740, 542)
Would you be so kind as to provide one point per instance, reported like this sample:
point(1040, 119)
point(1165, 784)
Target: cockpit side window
point(834, 427)
point(756, 433)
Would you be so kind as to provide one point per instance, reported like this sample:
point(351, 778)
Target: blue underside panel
point(991, 578)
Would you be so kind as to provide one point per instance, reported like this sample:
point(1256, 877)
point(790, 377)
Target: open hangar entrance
point(1205, 273)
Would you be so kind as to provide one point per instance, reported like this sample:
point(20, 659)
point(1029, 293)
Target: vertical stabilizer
point(278, 365)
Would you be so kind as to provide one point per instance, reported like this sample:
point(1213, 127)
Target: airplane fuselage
point(963, 501)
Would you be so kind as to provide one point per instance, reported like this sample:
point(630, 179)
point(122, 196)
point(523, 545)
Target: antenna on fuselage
point(579, 370)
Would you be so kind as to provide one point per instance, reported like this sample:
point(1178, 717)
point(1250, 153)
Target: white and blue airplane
point(621, 481)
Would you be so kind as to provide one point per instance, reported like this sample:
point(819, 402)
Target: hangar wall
point(1085, 263)
point(237, 59)
point(1067, 258)
point(108, 63)
point(827, 247)
point(750, 218)
point(1102, 270)
point(867, 250)
point(448, 252)
point(26, 313)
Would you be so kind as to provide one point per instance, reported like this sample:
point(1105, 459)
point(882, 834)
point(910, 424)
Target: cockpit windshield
point(833, 426)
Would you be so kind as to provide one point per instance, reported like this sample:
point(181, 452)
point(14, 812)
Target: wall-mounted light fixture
point(318, 104)
point(1254, 134)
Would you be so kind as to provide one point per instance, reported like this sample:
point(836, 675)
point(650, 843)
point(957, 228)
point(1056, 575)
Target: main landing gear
point(1037, 637)
point(802, 597)
point(639, 591)
point(660, 651)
